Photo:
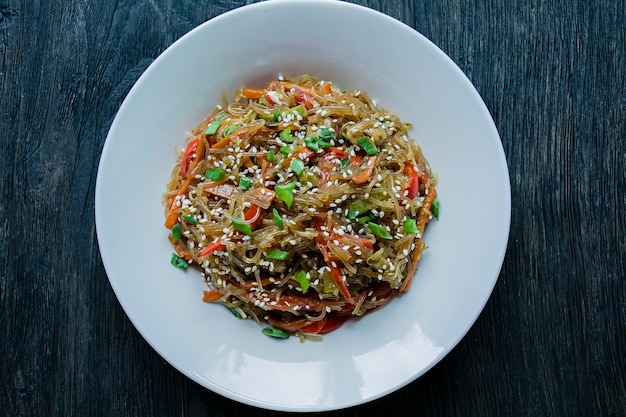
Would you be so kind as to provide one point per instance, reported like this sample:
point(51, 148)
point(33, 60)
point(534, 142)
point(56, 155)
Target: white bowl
point(357, 48)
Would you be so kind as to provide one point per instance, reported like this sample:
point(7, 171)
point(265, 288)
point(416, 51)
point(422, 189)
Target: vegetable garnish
point(214, 174)
point(277, 219)
point(379, 231)
point(410, 226)
point(241, 225)
point(275, 333)
point(364, 192)
point(296, 166)
point(286, 136)
point(435, 208)
point(244, 182)
point(302, 280)
point(285, 192)
point(235, 312)
point(190, 220)
point(212, 129)
point(314, 143)
point(176, 234)
point(229, 130)
point(179, 262)
point(326, 134)
point(367, 145)
point(277, 255)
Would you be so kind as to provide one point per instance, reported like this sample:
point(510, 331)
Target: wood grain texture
point(550, 340)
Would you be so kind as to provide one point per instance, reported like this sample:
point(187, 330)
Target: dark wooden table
point(550, 341)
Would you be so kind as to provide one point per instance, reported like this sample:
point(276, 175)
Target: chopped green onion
point(434, 208)
point(270, 156)
point(379, 231)
point(326, 134)
point(353, 215)
point(303, 281)
point(275, 333)
point(235, 312)
point(179, 262)
point(410, 227)
point(285, 192)
point(176, 232)
point(277, 255)
point(229, 130)
point(363, 219)
point(276, 114)
point(244, 182)
point(344, 163)
point(301, 110)
point(214, 173)
point(314, 143)
point(296, 166)
point(286, 135)
point(190, 220)
point(344, 135)
point(221, 117)
point(212, 129)
point(285, 150)
point(241, 225)
point(367, 145)
point(277, 219)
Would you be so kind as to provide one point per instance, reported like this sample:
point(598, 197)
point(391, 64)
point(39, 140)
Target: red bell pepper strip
point(414, 181)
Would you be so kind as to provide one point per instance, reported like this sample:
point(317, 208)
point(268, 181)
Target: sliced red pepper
point(254, 215)
point(321, 242)
point(186, 159)
point(414, 181)
point(213, 247)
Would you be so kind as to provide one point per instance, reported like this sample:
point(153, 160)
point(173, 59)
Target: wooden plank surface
point(550, 340)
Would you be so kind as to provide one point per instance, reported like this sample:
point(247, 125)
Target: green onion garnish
point(379, 231)
point(296, 166)
point(235, 312)
point(190, 220)
point(229, 130)
point(244, 182)
point(275, 333)
point(363, 219)
point(344, 163)
point(326, 134)
point(367, 145)
point(270, 156)
point(285, 150)
point(221, 117)
point(277, 219)
point(179, 262)
point(277, 255)
point(410, 227)
point(301, 110)
point(212, 128)
point(285, 192)
point(434, 208)
point(241, 225)
point(314, 143)
point(286, 135)
point(276, 114)
point(302, 280)
point(214, 173)
point(176, 232)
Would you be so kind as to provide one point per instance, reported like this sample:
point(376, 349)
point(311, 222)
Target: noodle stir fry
point(302, 204)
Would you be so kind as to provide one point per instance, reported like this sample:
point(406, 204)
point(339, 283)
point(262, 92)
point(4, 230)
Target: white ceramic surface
point(356, 48)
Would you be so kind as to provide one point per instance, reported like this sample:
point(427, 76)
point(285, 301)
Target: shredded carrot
point(247, 161)
point(326, 88)
point(252, 93)
point(211, 295)
point(366, 172)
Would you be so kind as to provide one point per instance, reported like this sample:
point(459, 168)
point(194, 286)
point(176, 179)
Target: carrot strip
point(211, 295)
point(365, 173)
point(252, 93)
point(247, 161)
point(172, 215)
